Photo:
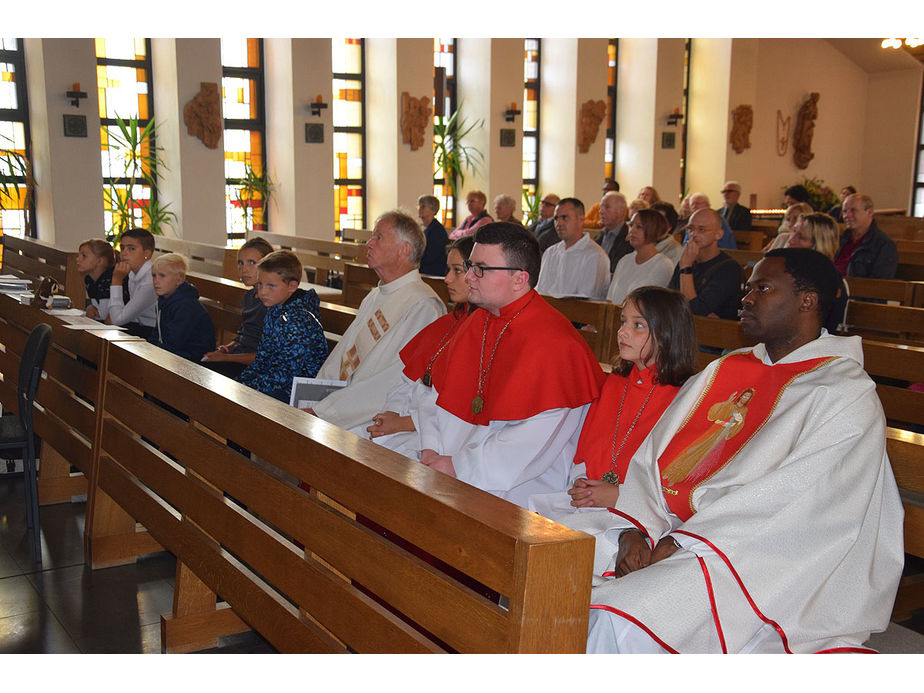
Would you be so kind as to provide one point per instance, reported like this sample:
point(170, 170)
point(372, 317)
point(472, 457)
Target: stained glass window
point(349, 117)
point(444, 63)
point(244, 136)
point(531, 66)
point(123, 80)
point(609, 155)
point(16, 204)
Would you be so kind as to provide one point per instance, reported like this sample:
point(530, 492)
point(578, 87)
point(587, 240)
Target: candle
point(75, 86)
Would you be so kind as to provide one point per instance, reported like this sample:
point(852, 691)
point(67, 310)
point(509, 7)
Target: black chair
point(16, 431)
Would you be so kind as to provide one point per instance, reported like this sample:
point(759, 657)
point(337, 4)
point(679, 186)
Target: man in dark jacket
point(865, 250)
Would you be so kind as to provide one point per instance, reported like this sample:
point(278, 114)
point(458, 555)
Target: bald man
point(708, 278)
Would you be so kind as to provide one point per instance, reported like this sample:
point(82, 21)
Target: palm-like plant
point(138, 160)
point(16, 173)
point(450, 153)
point(530, 205)
point(253, 193)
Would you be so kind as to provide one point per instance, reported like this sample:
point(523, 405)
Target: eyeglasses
point(479, 270)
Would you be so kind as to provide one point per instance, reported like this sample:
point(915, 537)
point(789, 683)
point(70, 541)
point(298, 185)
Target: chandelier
point(897, 42)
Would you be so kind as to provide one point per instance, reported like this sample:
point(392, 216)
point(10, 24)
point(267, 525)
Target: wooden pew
point(33, 259)
point(901, 226)
point(67, 418)
point(902, 292)
point(906, 453)
point(204, 258)
point(901, 324)
point(355, 235)
point(602, 316)
point(359, 280)
point(750, 240)
point(319, 257)
point(256, 551)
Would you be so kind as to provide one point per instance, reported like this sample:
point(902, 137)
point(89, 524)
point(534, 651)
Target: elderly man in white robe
point(393, 312)
point(760, 514)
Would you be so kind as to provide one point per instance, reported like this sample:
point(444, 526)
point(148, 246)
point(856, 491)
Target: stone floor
point(62, 607)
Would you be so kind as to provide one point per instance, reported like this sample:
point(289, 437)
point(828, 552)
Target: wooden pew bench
point(204, 258)
point(900, 324)
point(359, 280)
point(66, 418)
point(255, 551)
point(321, 258)
point(30, 258)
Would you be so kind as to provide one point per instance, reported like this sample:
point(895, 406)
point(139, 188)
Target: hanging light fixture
point(897, 43)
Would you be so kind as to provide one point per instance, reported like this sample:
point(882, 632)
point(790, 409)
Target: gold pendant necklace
point(610, 476)
point(478, 401)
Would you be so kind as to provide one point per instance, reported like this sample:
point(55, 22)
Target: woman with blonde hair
point(788, 225)
point(819, 232)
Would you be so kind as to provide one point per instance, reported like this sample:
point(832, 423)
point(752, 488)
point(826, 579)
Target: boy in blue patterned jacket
point(293, 342)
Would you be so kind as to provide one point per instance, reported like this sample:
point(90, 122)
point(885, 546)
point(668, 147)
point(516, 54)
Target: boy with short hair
point(293, 343)
point(182, 325)
point(138, 314)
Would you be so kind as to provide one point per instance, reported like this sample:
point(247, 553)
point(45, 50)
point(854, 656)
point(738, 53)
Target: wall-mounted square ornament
point(508, 137)
point(314, 133)
point(75, 125)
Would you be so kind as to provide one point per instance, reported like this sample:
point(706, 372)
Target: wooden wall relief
point(202, 115)
point(415, 117)
point(592, 113)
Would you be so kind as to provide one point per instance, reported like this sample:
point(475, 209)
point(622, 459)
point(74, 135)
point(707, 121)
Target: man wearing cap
point(737, 216)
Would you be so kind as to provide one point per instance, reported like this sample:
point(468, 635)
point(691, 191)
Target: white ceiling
point(868, 54)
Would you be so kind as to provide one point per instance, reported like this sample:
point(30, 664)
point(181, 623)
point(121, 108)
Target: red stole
point(595, 447)
point(423, 347)
point(738, 400)
point(541, 363)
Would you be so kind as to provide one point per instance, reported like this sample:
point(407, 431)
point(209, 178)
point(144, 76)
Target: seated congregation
point(691, 483)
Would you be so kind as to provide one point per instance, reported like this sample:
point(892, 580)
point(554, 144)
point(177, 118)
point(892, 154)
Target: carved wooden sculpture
point(742, 122)
point(415, 116)
point(592, 113)
point(202, 115)
point(805, 128)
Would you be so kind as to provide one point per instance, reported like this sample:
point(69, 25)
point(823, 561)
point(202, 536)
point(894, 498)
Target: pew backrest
point(901, 324)
point(320, 257)
point(204, 258)
point(318, 570)
point(30, 258)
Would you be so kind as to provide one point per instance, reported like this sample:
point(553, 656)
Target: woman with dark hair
point(421, 352)
point(645, 266)
point(657, 346)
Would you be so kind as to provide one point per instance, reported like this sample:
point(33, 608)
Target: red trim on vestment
point(838, 650)
point(634, 620)
point(744, 590)
point(638, 525)
point(715, 611)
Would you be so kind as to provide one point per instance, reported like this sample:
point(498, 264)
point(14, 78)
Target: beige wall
point(193, 180)
point(69, 196)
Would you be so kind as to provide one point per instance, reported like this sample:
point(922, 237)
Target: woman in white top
point(646, 266)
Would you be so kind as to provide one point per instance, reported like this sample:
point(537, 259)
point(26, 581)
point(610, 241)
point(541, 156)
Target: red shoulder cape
point(417, 353)
point(541, 363)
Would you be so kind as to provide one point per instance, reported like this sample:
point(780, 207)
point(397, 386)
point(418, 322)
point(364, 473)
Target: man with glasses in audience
point(499, 413)
point(708, 278)
point(544, 227)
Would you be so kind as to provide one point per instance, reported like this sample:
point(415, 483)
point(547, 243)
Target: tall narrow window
point(126, 92)
point(349, 115)
point(246, 177)
point(918, 196)
point(612, 62)
point(531, 67)
point(444, 68)
point(16, 204)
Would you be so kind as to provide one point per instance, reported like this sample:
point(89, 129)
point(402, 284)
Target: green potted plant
point(17, 183)
point(252, 194)
point(133, 146)
point(530, 205)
